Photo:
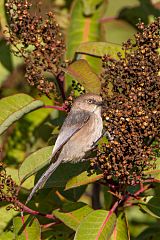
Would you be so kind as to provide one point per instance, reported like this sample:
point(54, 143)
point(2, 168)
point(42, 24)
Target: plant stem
point(60, 81)
point(59, 108)
point(33, 212)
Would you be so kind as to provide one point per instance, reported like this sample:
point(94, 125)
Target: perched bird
point(80, 131)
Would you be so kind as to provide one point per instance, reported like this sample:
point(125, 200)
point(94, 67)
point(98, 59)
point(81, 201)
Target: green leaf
point(34, 162)
point(58, 232)
point(107, 196)
point(14, 107)
point(144, 10)
point(83, 179)
point(7, 235)
point(118, 31)
point(114, 9)
point(37, 160)
point(151, 232)
point(90, 6)
point(82, 72)
point(14, 173)
point(3, 15)
point(98, 225)
point(5, 218)
point(59, 178)
point(88, 30)
point(155, 172)
point(151, 206)
point(121, 231)
point(30, 229)
point(99, 49)
point(73, 194)
point(5, 56)
point(73, 213)
point(88, 27)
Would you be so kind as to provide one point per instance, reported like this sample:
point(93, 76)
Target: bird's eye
point(90, 101)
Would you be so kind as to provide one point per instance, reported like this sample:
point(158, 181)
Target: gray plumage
point(80, 130)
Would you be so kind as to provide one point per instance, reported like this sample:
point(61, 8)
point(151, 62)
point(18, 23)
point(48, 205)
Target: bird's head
point(88, 102)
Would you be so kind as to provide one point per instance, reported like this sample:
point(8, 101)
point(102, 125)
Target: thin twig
point(60, 108)
point(48, 225)
point(33, 212)
point(60, 81)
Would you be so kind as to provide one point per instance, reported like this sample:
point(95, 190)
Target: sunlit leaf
point(82, 72)
point(121, 231)
point(72, 214)
point(98, 225)
point(88, 30)
point(118, 31)
point(83, 179)
point(154, 172)
point(34, 162)
point(5, 218)
point(14, 107)
point(8, 235)
point(99, 49)
point(29, 229)
point(2, 14)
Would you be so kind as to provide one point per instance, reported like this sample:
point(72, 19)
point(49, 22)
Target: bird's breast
point(82, 141)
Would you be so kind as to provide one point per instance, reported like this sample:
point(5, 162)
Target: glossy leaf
point(30, 229)
point(98, 225)
point(99, 49)
point(14, 107)
point(82, 72)
point(34, 162)
point(83, 179)
point(73, 213)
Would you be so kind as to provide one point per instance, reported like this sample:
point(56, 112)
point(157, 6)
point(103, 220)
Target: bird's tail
point(43, 178)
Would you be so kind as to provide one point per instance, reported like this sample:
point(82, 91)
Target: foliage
point(115, 195)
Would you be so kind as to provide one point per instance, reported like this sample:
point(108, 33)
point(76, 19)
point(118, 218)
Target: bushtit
point(80, 131)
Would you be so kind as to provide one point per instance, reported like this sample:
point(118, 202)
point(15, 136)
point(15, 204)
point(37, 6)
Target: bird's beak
point(100, 103)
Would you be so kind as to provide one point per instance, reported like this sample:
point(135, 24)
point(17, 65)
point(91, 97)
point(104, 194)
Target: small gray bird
point(80, 131)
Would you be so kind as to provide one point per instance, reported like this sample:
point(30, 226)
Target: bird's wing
point(75, 120)
point(73, 123)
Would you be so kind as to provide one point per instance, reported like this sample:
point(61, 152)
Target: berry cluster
point(8, 189)
point(38, 40)
point(131, 91)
